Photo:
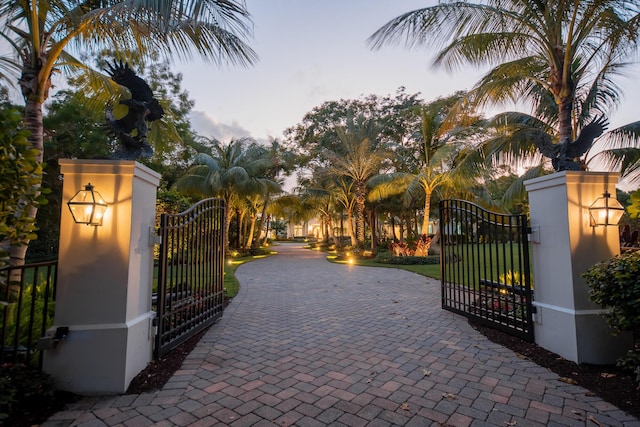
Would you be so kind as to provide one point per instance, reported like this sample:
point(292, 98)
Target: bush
point(387, 258)
point(615, 284)
point(20, 183)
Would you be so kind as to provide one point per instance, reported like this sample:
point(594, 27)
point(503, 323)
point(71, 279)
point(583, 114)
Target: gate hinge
point(154, 239)
point(534, 233)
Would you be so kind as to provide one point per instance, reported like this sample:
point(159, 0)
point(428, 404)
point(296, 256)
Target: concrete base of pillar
point(579, 336)
point(101, 359)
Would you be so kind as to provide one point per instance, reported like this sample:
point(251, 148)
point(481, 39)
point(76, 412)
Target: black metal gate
point(190, 294)
point(486, 271)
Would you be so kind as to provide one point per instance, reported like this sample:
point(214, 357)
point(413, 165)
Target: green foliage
point(18, 312)
point(631, 362)
point(21, 388)
point(279, 227)
point(615, 284)
point(511, 278)
point(634, 204)
point(388, 258)
point(20, 177)
point(172, 202)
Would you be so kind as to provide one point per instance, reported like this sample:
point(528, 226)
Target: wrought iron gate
point(486, 272)
point(190, 293)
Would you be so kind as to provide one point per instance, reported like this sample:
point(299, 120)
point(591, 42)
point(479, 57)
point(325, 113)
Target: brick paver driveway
point(310, 343)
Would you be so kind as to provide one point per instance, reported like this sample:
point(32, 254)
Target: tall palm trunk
point(352, 233)
point(360, 196)
point(265, 239)
point(227, 224)
point(263, 221)
point(427, 212)
point(252, 230)
point(372, 227)
point(330, 235)
point(565, 119)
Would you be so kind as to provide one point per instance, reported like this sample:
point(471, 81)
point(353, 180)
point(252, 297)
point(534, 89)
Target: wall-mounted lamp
point(87, 206)
point(605, 211)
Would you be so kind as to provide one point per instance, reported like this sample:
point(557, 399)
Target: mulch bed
point(159, 371)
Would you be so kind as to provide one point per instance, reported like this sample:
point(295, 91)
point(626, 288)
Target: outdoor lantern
point(605, 211)
point(87, 206)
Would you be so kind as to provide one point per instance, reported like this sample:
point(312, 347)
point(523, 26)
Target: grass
point(427, 270)
point(493, 261)
point(230, 283)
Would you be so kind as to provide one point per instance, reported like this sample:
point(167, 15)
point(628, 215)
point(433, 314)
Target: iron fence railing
point(27, 305)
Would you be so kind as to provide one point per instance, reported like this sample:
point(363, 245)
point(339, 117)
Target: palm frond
point(516, 190)
point(387, 185)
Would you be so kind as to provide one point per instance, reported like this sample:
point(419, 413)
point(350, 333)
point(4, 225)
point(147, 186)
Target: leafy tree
point(40, 32)
point(560, 57)
point(20, 173)
point(634, 204)
point(319, 128)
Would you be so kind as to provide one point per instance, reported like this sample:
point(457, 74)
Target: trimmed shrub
point(615, 284)
point(387, 258)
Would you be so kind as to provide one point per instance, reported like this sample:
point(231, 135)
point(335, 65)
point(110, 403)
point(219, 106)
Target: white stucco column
point(564, 246)
point(104, 280)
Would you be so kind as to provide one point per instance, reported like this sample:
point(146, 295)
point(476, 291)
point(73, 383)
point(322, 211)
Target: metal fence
point(190, 293)
point(486, 271)
point(27, 305)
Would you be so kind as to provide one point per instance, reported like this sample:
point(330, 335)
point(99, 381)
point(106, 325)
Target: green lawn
point(493, 261)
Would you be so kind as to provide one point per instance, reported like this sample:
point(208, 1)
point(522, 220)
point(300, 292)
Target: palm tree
point(331, 193)
point(559, 56)
point(41, 32)
point(232, 171)
point(282, 161)
point(445, 157)
point(360, 157)
point(295, 208)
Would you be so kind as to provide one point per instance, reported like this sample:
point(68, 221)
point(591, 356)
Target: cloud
point(206, 125)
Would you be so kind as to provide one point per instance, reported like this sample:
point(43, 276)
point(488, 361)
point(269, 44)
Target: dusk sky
point(310, 52)
point(314, 51)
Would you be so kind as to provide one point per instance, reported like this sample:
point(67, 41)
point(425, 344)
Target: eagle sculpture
point(132, 129)
point(563, 155)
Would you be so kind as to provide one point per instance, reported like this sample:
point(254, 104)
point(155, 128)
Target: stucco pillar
point(104, 280)
point(564, 246)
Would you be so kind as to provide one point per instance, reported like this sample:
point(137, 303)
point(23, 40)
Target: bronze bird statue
point(564, 155)
point(132, 129)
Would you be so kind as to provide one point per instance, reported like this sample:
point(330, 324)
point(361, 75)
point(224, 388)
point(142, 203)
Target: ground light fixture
point(606, 210)
point(87, 206)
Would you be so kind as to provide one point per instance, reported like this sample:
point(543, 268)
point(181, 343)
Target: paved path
point(309, 343)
